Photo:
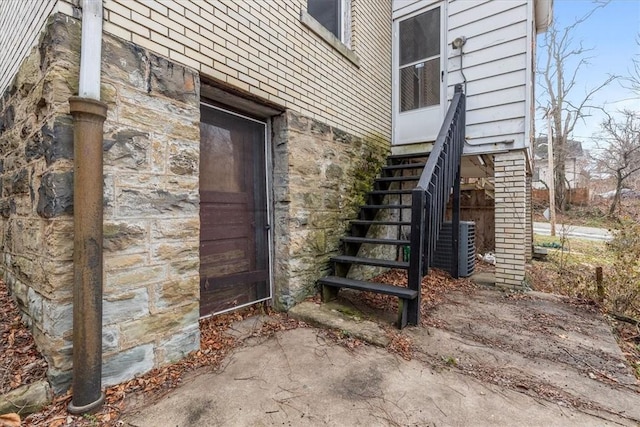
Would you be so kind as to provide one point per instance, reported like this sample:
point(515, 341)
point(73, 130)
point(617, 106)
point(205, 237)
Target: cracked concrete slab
point(490, 359)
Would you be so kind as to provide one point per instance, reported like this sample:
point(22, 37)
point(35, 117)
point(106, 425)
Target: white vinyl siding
point(21, 22)
point(495, 66)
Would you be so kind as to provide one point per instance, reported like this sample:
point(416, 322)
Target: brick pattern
point(529, 231)
point(262, 48)
point(511, 218)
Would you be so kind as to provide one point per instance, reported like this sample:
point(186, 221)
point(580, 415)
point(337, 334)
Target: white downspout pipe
point(91, 49)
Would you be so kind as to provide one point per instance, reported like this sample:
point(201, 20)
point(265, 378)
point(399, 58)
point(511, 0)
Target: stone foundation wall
point(151, 220)
point(320, 175)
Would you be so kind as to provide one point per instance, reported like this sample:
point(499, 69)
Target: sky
point(612, 33)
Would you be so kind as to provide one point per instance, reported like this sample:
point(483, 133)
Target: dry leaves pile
point(20, 361)
point(215, 344)
point(434, 290)
point(629, 341)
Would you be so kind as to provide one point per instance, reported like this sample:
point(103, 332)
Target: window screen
point(328, 13)
point(420, 37)
point(420, 60)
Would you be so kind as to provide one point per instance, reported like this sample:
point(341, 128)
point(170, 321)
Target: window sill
point(313, 25)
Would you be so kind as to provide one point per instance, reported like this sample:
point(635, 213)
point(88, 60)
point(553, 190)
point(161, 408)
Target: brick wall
point(510, 218)
point(529, 216)
point(262, 48)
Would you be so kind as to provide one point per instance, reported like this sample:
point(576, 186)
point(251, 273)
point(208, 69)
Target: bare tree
point(558, 81)
point(620, 157)
point(634, 73)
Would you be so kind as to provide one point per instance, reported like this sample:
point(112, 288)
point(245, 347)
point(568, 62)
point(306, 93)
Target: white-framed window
point(334, 15)
point(419, 60)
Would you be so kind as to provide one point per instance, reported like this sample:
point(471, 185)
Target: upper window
point(419, 61)
point(331, 14)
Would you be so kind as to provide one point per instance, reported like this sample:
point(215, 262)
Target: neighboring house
point(240, 138)
point(576, 165)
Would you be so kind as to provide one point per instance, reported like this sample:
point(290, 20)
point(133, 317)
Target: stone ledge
point(26, 399)
point(329, 316)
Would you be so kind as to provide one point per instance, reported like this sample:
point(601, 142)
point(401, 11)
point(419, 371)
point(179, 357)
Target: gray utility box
point(443, 258)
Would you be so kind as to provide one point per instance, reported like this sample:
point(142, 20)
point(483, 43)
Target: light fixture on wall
point(458, 42)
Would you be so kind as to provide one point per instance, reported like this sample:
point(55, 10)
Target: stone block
point(137, 203)
point(158, 325)
point(178, 291)
point(57, 351)
point(57, 318)
point(176, 250)
point(19, 183)
point(125, 63)
point(110, 339)
point(173, 81)
point(127, 149)
point(183, 158)
point(127, 364)
point(183, 228)
point(34, 148)
point(60, 379)
point(182, 344)
point(158, 113)
point(26, 399)
point(55, 195)
point(58, 280)
point(58, 239)
point(5, 207)
point(34, 306)
point(27, 268)
point(114, 262)
point(57, 140)
point(121, 236)
point(129, 305)
point(136, 276)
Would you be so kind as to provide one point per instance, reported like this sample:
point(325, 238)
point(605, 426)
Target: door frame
point(268, 190)
point(414, 10)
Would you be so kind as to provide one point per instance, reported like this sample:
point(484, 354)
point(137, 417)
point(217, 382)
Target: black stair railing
point(429, 200)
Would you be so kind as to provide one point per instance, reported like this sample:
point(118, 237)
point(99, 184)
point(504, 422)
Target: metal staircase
point(427, 179)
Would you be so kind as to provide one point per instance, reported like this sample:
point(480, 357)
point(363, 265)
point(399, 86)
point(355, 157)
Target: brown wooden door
point(234, 246)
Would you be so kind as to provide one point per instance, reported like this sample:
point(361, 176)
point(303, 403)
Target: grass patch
point(570, 269)
point(575, 251)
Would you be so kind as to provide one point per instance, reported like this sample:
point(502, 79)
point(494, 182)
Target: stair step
point(398, 178)
point(405, 166)
point(350, 239)
point(385, 207)
point(374, 222)
point(386, 192)
point(381, 288)
point(400, 157)
point(370, 261)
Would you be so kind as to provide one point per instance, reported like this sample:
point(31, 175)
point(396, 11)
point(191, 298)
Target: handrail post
point(416, 260)
point(430, 197)
point(455, 226)
point(458, 136)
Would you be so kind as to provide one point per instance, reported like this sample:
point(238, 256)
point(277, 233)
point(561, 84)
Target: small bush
point(623, 281)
